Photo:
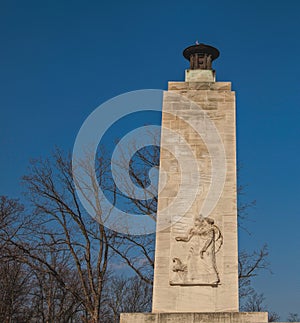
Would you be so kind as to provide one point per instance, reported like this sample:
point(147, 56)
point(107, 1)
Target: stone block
point(233, 317)
point(200, 76)
point(178, 85)
point(183, 87)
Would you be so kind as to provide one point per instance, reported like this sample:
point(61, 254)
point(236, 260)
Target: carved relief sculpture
point(203, 241)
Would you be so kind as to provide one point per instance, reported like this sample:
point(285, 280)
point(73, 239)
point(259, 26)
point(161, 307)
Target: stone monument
point(196, 253)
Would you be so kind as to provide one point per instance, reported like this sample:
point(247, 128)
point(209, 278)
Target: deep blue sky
point(61, 59)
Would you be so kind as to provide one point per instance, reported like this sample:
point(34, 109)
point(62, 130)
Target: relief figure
point(204, 241)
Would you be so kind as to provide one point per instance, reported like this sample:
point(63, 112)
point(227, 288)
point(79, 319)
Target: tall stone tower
point(196, 253)
point(210, 283)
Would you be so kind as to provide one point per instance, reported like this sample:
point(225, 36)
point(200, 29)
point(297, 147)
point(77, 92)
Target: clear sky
point(61, 59)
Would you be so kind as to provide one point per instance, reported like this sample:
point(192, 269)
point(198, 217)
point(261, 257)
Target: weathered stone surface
point(236, 317)
point(184, 86)
point(200, 76)
point(216, 101)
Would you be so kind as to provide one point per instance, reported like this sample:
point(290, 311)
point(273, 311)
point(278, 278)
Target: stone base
point(234, 317)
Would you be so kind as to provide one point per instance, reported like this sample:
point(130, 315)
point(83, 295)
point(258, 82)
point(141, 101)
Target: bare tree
point(293, 317)
point(15, 285)
point(256, 303)
point(273, 317)
point(61, 241)
point(15, 278)
point(62, 238)
point(253, 262)
point(250, 264)
point(12, 221)
point(126, 295)
point(138, 251)
point(51, 302)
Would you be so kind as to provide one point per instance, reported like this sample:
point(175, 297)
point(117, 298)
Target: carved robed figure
point(203, 241)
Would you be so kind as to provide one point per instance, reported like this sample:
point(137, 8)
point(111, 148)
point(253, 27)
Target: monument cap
point(201, 56)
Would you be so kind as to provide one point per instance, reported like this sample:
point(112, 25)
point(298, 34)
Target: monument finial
point(201, 56)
